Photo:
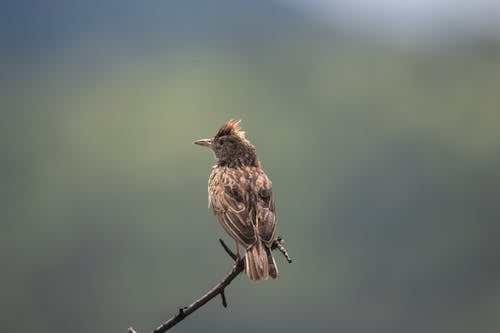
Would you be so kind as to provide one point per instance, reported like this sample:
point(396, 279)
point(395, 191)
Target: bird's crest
point(231, 127)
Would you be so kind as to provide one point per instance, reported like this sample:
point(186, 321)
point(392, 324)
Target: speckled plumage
point(240, 194)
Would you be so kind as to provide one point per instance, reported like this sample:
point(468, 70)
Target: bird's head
point(230, 146)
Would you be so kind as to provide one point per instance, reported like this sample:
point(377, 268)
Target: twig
point(278, 243)
point(228, 250)
point(239, 266)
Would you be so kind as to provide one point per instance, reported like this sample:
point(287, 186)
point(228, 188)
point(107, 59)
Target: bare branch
point(278, 243)
point(223, 297)
point(239, 266)
point(228, 250)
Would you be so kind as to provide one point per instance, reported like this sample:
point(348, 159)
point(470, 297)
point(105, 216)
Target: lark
point(240, 194)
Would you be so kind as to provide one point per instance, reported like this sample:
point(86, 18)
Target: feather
point(231, 127)
point(240, 194)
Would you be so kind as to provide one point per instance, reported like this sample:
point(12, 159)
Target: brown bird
point(240, 194)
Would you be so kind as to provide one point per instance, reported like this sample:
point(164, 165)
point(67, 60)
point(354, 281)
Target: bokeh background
point(376, 120)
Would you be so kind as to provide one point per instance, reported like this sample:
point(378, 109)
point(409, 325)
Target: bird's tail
point(259, 263)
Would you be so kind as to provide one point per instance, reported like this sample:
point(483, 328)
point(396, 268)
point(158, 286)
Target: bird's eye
point(221, 141)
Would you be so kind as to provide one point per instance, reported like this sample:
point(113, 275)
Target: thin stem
point(239, 266)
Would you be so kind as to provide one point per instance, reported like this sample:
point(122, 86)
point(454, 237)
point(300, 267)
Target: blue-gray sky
point(412, 16)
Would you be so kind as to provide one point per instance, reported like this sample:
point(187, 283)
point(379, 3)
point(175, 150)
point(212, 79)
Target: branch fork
point(239, 266)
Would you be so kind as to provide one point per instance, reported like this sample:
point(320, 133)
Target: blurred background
point(376, 120)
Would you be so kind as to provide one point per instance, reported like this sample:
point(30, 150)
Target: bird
point(240, 194)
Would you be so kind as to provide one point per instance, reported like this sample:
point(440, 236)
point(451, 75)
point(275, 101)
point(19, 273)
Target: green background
point(384, 156)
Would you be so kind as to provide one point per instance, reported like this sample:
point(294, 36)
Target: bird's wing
point(266, 210)
point(232, 205)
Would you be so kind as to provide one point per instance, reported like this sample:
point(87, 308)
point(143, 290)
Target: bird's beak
point(204, 143)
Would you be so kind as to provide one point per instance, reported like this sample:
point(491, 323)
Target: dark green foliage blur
point(384, 157)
